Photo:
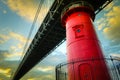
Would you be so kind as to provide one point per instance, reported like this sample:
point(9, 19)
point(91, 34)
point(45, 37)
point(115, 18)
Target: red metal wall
point(83, 44)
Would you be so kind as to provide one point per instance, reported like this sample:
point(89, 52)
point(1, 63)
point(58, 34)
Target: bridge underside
point(50, 35)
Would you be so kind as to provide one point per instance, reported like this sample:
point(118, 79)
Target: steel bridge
point(50, 35)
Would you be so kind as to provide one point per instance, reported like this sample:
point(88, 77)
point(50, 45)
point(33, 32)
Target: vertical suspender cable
point(29, 35)
point(33, 25)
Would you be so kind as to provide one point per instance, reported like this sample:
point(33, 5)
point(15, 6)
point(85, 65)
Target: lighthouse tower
point(82, 43)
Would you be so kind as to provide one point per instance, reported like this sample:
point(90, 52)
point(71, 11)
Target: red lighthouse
point(82, 43)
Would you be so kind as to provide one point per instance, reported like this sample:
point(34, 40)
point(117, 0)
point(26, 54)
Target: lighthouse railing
point(113, 64)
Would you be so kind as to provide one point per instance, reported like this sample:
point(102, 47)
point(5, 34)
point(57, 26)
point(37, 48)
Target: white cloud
point(31, 79)
point(15, 50)
point(101, 26)
point(5, 72)
point(13, 56)
point(101, 23)
point(3, 38)
point(24, 8)
point(4, 11)
point(115, 55)
point(45, 69)
point(27, 8)
point(18, 37)
point(112, 31)
point(21, 41)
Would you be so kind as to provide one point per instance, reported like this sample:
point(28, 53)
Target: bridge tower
point(82, 43)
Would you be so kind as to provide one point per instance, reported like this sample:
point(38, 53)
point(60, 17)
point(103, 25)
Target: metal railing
point(112, 63)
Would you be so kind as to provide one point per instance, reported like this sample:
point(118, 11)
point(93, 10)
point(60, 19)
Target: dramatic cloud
point(5, 72)
point(116, 55)
point(14, 56)
point(101, 23)
point(7, 68)
point(27, 8)
point(18, 37)
point(45, 68)
point(3, 38)
point(22, 41)
point(16, 49)
point(4, 11)
point(3, 54)
point(112, 31)
point(23, 8)
point(6, 55)
point(12, 35)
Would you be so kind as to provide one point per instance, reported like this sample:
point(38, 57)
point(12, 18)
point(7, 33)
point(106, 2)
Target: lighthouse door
point(85, 72)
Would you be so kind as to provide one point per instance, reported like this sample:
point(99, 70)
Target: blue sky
point(16, 17)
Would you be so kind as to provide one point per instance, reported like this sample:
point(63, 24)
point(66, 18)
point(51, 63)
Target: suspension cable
point(29, 35)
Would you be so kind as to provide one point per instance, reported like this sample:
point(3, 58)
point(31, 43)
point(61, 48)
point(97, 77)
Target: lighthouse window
point(78, 30)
